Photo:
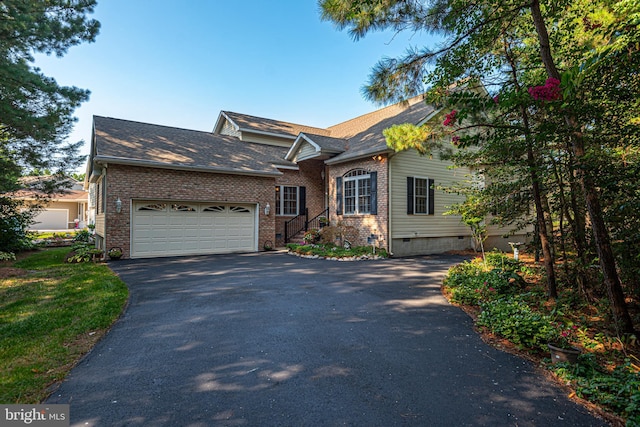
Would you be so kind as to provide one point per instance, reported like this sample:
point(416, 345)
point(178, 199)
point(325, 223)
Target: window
point(357, 193)
point(290, 200)
point(183, 208)
point(420, 196)
point(101, 193)
point(158, 207)
point(215, 208)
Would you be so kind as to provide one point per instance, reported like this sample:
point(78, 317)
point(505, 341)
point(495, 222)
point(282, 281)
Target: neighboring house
point(164, 191)
point(63, 210)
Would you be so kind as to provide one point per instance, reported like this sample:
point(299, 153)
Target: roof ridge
point(274, 120)
point(152, 124)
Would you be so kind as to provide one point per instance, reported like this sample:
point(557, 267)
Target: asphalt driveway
point(274, 340)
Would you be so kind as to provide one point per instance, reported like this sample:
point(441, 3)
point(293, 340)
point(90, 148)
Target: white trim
point(218, 126)
point(334, 161)
point(298, 143)
point(414, 195)
point(281, 204)
point(293, 168)
point(355, 179)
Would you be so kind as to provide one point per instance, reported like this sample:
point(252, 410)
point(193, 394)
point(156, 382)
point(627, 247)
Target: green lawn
point(49, 318)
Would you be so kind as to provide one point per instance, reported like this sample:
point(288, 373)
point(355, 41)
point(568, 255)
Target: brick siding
point(365, 224)
point(309, 175)
point(133, 183)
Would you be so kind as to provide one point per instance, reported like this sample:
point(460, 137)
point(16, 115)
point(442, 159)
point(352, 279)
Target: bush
point(513, 319)
point(469, 283)
point(14, 220)
point(311, 236)
point(7, 256)
point(84, 236)
point(83, 252)
point(617, 390)
point(332, 251)
point(500, 260)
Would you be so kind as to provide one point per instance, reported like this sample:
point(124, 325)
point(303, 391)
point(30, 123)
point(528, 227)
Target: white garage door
point(51, 219)
point(181, 228)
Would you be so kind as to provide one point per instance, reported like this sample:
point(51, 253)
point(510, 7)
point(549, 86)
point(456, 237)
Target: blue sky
point(178, 63)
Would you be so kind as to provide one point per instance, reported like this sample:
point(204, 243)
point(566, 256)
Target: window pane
point(349, 197)
point(290, 200)
point(420, 194)
point(364, 195)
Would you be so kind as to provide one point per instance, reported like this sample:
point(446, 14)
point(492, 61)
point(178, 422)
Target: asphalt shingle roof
point(261, 124)
point(148, 144)
point(364, 133)
point(335, 145)
point(125, 141)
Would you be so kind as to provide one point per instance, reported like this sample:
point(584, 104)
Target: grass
point(49, 318)
point(52, 234)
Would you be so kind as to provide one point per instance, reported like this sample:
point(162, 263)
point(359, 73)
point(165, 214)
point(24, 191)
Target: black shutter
point(374, 192)
point(409, 195)
point(302, 196)
point(431, 200)
point(339, 196)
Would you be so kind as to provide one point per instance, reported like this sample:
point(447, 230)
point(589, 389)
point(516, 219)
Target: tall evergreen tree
point(512, 46)
point(36, 114)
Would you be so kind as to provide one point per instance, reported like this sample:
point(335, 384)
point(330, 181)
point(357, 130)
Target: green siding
point(403, 225)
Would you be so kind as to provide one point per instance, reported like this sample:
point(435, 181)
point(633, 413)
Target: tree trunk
point(552, 290)
point(541, 224)
point(579, 229)
point(600, 233)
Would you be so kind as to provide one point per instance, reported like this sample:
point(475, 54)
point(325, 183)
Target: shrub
point(617, 390)
point(7, 256)
point(84, 236)
point(513, 319)
point(14, 221)
point(469, 283)
point(500, 260)
point(332, 251)
point(311, 236)
point(83, 252)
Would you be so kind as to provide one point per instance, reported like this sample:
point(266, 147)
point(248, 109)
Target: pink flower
point(496, 99)
point(450, 118)
point(549, 92)
point(455, 140)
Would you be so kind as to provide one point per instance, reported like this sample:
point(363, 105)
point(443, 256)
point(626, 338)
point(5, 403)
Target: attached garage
point(52, 219)
point(161, 228)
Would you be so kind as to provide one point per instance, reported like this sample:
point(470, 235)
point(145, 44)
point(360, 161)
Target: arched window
point(357, 193)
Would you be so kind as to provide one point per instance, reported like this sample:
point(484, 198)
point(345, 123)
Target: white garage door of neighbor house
point(51, 219)
point(181, 228)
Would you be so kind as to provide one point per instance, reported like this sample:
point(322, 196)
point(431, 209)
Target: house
point(164, 191)
point(65, 209)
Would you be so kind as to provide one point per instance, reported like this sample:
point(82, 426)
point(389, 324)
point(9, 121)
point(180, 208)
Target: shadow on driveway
point(274, 340)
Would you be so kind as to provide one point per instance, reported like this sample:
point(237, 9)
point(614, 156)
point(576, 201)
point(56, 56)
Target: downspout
point(390, 204)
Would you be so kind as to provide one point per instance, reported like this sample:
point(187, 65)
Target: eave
point(104, 160)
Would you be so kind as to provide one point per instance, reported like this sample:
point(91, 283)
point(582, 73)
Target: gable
point(309, 146)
